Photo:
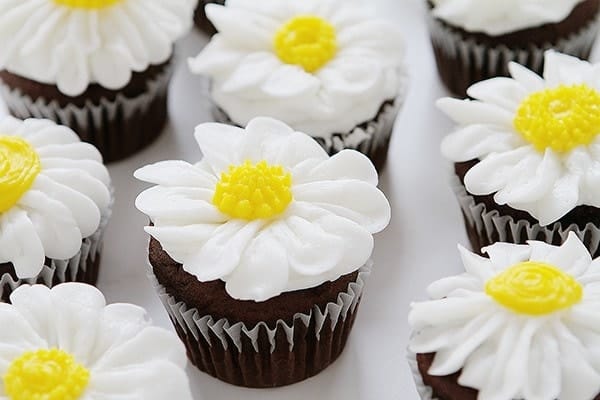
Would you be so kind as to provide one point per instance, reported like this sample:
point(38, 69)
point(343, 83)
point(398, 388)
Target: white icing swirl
point(325, 232)
point(546, 184)
point(74, 47)
point(250, 80)
point(498, 17)
point(63, 206)
point(506, 355)
point(127, 358)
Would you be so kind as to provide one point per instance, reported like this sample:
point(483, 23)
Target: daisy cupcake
point(324, 67)
point(65, 343)
point(260, 251)
point(527, 154)
point(521, 323)
point(55, 201)
point(475, 40)
point(101, 67)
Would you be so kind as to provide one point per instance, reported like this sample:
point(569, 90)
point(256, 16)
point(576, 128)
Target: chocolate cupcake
point(55, 201)
point(474, 40)
point(260, 252)
point(200, 16)
point(93, 65)
point(521, 323)
point(326, 68)
point(527, 154)
point(65, 343)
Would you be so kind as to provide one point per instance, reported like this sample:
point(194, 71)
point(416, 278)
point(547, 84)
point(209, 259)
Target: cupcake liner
point(371, 138)
point(462, 61)
point(83, 267)
point(118, 128)
point(263, 356)
point(487, 227)
point(424, 391)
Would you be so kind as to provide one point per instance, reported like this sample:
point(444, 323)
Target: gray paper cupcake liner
point(478, 61)
point(425, 392)
point(118, 127)
point(261, 355)
point(75, 269)
point(491, 227)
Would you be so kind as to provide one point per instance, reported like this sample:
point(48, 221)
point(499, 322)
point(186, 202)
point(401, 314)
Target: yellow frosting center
point(87, 4)
point(253, 191)
point(307, 41)
point(561, 119)
point(534, 288)
point(45, 375)
point(19, 166)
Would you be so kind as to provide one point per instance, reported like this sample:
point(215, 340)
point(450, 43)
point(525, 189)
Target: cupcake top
point(65, 343)
point(54, 190)
point(537, 139)
point(266, 210)
point(321, 66)
point(74, 43)
point(498, 17)
point(521, 324)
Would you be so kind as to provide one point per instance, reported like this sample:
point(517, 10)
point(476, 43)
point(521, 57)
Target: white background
point(417, 248)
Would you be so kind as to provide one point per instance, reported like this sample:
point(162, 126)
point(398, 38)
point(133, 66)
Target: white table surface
point(418, 247)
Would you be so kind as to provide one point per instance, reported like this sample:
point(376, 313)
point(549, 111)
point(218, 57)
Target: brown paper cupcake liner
point(118, 128)
point(425, 392)
point(488, 227)
point(83, 267)
point(371, 138)
point(463, 62)
point(261, 356)
point(200, 16)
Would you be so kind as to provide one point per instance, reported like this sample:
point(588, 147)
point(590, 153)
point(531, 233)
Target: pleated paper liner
point(371, 138)
point(259, 356)
point(118, 128)
point(83, 267)
point(462, 61)
point(488, 227)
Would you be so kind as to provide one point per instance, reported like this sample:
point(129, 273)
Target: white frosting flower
point(53, 191)
point(498, 17)
point(65, 343)
point(521, 324)
point(266, 210)
point(321, 66)
point(537, 139)
point(73, 43)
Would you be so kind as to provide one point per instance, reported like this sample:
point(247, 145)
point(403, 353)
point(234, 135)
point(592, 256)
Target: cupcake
point(65, 343)
point(521, 323)
point(200, 16)
point(475, 40)
point(260, 252)
point(526, 154)
point(324, 67)
point(55, 201)
point(101, 67)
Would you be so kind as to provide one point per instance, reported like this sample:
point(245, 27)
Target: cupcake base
point(253, 346)
point(464, 58)
point(372, 138)
point(200, 17)
point(119, 123)
point(84, 267)
point(488, 222)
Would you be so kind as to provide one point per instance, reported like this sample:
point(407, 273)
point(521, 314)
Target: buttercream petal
point(478, 141)
point(345, 165)
point(572, 256)
point(20, 243)
point(526, 77)
point(83, 183)
point(176, 173)
point(467, 112)
point(180, 242)
point(219, 143)
point(505, 255)
point(74, 151)
point(503, 92)
point(241, 28)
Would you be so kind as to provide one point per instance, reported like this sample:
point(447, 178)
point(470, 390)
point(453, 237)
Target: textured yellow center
point(45, 375)
point(19, 166)
point(561, 119)
point(253, 191)
point(307, 40)
point(87, 4)
point(534, 288)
